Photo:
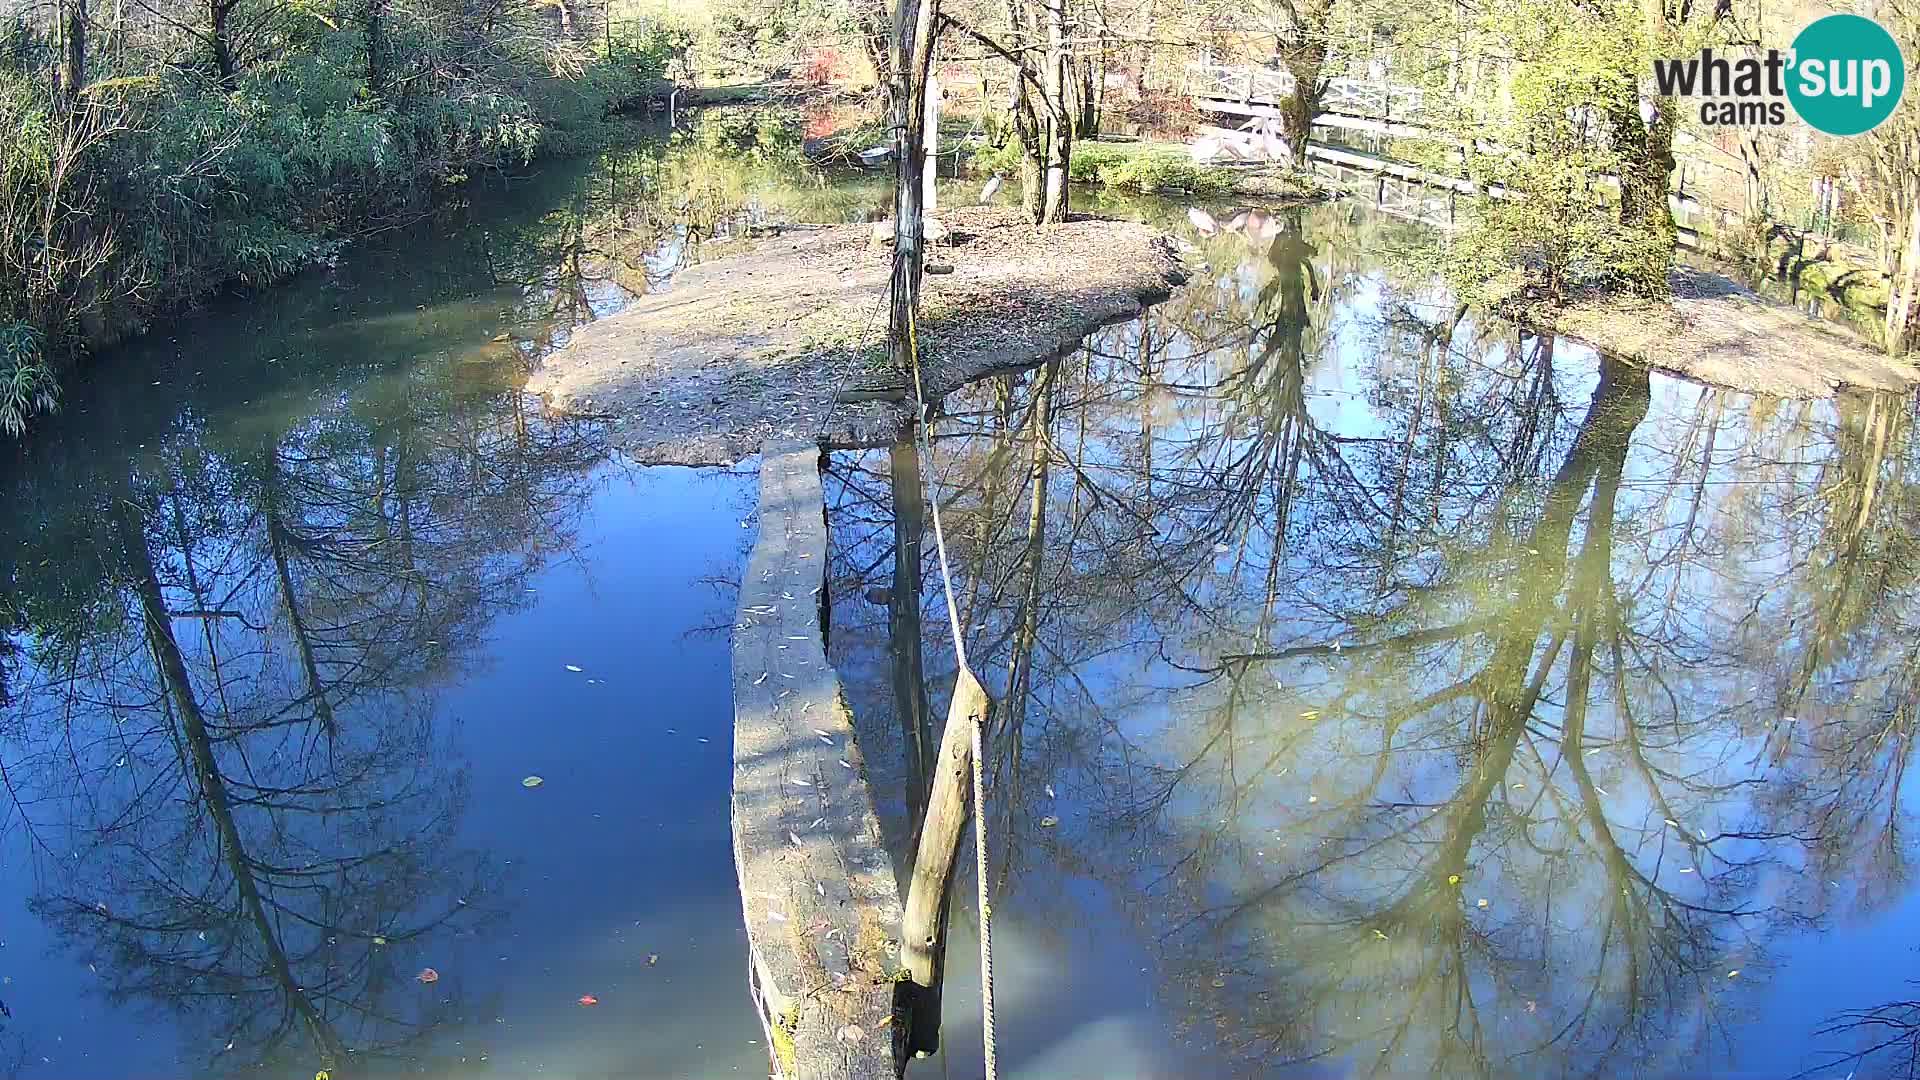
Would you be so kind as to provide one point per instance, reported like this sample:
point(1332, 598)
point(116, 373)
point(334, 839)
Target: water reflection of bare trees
point(242, 793)
point(1442, 701)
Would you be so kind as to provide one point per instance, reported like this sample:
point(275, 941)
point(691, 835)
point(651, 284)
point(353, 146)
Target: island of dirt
point(788, 339)
point(1715, 330)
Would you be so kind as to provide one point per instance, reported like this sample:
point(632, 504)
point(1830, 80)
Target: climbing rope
point(979, 720)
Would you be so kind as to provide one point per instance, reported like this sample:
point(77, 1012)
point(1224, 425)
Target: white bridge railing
point(1252, 86)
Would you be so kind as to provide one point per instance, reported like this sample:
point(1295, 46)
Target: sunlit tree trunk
point(1053, 207)
point(1306, 60)
point(1903, 305)
point(916, 25)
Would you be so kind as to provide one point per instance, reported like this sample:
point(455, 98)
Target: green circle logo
point(1846, 75)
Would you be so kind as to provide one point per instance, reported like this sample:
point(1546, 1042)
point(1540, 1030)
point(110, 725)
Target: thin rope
point(923, 421)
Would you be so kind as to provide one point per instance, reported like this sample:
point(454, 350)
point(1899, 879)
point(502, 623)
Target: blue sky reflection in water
point(1391, 694)
point(288, 631)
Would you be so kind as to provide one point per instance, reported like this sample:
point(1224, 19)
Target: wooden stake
point(921, 946)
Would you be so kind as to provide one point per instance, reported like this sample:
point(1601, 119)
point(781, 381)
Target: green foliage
point(1553, 135)
point(162, 183)
point(1146, 171)
point(1126, 167)
point(27, 385)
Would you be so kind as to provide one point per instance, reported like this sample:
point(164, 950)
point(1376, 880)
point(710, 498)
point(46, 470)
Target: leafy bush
point(167, 182)
point(27, 384)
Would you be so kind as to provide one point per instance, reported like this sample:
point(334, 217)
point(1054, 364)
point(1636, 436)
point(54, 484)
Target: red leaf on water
point(589, 999)
point(428, 975)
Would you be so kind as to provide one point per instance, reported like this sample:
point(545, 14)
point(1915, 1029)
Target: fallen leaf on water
point(1310, 714)
point(323, 1075)
point(851, 1033)
point(379, 940)
point(1049, 791)
point(1313, 798)
point(1380, 935)
point(1483, 902)
point(1453, 879)
point(802, 783)
point(428, 975)
point(845, 764)
point(587, 999)
point(653, 958)
point(1686, 869)
point(533, 781)
point(575, 667)
point(1218, 983)
point(1221, 549)
point(824, 737)
point(1533, 1006)
point(1733, 973)
point(1049, 821)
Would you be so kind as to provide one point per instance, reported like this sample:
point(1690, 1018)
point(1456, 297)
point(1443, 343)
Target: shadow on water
point(1387, 692)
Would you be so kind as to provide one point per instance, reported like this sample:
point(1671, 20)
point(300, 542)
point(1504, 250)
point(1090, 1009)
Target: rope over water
point(979, 720)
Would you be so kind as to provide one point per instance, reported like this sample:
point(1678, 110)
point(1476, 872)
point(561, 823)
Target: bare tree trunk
point(915, 27)
point(1305, 58)
point(871, 21)
point(220, 35)
point(1903, 306)
point(377, 73)
point(76, 49)
point(1053, 207)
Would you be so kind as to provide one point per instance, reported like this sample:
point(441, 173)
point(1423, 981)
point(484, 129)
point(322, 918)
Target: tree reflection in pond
point(1431, 699)
point(231, 759)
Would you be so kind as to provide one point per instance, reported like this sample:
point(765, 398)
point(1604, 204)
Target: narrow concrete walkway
point(818, 890)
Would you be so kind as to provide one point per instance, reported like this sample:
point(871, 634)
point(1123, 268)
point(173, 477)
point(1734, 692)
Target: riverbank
point(1718, 331)
point(788, 339)
point(169, 184)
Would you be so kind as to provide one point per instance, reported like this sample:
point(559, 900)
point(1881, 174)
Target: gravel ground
point(763, 344)
point(1718, 331)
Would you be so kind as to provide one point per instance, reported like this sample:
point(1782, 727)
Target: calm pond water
point(1389, 694)
point(303, 595)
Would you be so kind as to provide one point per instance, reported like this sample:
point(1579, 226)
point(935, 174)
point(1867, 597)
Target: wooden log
point(922, 945)
point(817, 889)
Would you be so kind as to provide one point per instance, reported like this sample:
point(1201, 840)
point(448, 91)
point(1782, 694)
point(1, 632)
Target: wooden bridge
point(1377, 107)
point(1380, 109)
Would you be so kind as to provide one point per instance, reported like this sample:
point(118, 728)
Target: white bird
point(1202, 221)
point(1275, 146)
point(987, 193)
point(1206, 149)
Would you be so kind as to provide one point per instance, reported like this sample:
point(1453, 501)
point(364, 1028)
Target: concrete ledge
point(817, 888)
